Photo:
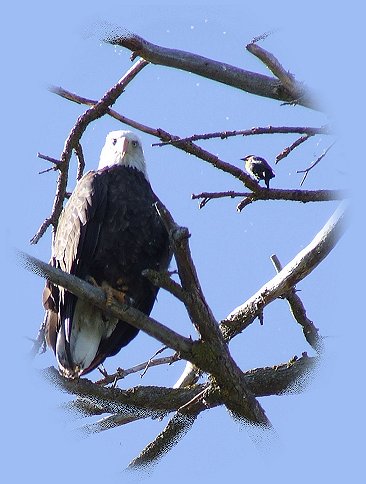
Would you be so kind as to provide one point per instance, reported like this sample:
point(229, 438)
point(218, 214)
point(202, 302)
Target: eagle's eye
point(114, 141)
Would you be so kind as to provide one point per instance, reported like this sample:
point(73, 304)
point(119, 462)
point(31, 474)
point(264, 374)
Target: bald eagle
point(108, 233)
point(259, 168)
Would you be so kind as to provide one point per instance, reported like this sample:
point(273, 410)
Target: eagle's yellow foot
point(92, 281)
point(117, 294)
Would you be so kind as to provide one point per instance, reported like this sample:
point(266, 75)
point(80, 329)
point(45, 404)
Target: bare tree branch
point(72, 141)
point(304, 196)
point(95, 399)
point(218, 71)
point(290, 377)
point(301, 266)
point(189, 376)
point(188, 147)
point(227, 384)
point(296, 90)
point(115, 400)
point(117, 420)
point(120, 374)
point(81, 161)
point(176, 428)
point(286, 151)
point(163, 280)
point(49, 158)
point(298, 311)
point(96, 296)
point(227, 374)
point(253, 131)
point(307, 170)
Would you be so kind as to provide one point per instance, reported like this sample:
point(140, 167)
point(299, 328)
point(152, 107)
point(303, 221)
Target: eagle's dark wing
point(75, 242)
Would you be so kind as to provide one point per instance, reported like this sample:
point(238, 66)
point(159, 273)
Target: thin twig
point(52, 160)
point(48, 158)
point(150, 361)
point(307, 170)
point(120, 374)
point(286, 151)
point(47, 170)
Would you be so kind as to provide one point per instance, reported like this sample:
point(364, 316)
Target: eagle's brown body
point(108, 233)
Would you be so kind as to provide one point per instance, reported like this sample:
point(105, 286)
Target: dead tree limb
point(303, 196)
point(296, 270)
point(309, 131)
point(72, 142)
point(247, 81)
point(96, 296)
point(298, 311)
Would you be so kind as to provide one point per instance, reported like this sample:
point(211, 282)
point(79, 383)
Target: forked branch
point(296, 270)
point(98, 110)
point(247, 81)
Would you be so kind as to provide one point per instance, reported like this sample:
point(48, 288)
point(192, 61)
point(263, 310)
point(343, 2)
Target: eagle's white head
point(123, 148)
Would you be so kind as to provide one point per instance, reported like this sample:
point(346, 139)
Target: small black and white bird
point(258, 168)
point(107, 234)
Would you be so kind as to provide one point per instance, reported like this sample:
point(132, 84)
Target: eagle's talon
point(92, 281)
point(111, 293)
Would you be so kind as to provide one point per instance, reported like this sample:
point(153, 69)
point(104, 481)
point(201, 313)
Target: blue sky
point(320, 432)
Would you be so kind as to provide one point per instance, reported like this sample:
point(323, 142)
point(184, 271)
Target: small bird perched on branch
point(258, 168)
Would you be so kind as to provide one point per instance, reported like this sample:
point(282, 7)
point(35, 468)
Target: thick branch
point(153, 402)
point(163, 280)
point(176, 428)
point(198, 310)
point(212, 354)
point(115, 400)
point(296, 90)
point(296, 270)
point(95, 399)
point(218, 71)
point(96, 296)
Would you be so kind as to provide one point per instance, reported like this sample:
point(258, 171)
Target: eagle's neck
point(138, 163)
